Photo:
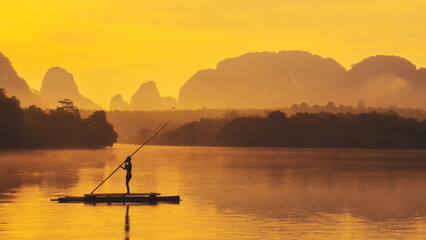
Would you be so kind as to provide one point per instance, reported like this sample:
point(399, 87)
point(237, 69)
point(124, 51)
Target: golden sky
point(112, 46)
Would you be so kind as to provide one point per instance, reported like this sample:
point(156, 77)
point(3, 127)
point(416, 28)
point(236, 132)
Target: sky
point(111, 46)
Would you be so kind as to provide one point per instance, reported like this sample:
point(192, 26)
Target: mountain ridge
point(252, 80)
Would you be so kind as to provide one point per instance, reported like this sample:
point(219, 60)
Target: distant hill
point(146, 98)
point(59, 84)
point(118, 103)
point(384, 81)
point(259, 80)
point(270, 79)
point(15, 85)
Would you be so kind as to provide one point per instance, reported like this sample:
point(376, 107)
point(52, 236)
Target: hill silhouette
point(385, 81)
point(269, 79)
point(59, 84)
point(257, 80)
point(266, 79)
point(117, 103)
point(146, 98)
point(15, 85)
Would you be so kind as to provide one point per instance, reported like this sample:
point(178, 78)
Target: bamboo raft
point(119, 198)
point(152, 198)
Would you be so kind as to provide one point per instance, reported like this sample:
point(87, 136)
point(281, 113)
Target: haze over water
point(227, 193)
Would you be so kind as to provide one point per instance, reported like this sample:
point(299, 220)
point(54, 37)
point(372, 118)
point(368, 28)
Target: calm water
point(228, 193)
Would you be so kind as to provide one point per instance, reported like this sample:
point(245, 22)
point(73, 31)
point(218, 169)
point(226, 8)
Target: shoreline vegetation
point(315, 130)
point(33, 128)
point(134, 127)
point(299, 126)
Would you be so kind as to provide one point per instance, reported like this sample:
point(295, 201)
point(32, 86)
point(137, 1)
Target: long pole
point(153, 135)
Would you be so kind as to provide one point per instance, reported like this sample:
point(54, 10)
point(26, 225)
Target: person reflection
point(127, 224)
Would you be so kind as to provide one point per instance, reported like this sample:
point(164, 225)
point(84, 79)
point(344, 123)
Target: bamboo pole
point(130, 156)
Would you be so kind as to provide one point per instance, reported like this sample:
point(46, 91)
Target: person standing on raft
point(128, 167)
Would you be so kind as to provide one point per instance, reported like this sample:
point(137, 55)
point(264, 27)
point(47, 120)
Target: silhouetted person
point(128, 167)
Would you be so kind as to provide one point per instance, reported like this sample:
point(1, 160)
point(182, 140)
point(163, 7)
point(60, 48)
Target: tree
point(11, 121)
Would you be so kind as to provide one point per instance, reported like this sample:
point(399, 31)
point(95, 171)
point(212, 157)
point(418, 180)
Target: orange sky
point(112, 47)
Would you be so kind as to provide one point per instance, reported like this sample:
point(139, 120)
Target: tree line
point(323, 129)
point(60, 128)
point(125, 122)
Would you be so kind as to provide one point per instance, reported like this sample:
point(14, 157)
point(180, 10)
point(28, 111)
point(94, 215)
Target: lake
point(227, 193)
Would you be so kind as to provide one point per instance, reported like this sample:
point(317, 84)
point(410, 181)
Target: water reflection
point(372, 184)
point(228, 193)
point(127, 224)
point(56, 170)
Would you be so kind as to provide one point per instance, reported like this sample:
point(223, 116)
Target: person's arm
point(125, 167)
point(126, 163)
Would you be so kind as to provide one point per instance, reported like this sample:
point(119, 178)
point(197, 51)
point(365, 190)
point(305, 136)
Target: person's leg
point(127, 184)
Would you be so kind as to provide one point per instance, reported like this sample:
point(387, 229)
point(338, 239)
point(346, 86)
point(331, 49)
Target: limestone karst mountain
point(146, 98)
point(384, 81)
point(253, 80)
point(59, 84)
point(269, 79)
point(117, 103)
point(265, 79)
point(15, 85)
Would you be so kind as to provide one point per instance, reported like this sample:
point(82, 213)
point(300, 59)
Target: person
point(128, 167)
